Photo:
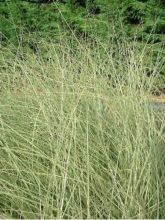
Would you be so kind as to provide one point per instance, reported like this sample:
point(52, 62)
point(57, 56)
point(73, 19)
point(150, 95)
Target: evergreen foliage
point(27, 16)
point(26, 21)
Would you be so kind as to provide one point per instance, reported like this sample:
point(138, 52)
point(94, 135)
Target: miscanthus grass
point(78, 138)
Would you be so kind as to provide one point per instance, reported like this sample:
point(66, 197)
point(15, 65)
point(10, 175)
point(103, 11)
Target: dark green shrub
point(157, 28)
point(160, 27)
point(135, 12)
point(162, 2)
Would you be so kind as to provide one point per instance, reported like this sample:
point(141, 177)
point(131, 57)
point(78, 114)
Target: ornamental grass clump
point(77, 136)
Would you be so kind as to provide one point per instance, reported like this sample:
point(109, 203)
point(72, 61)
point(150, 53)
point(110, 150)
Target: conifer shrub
point(135, 12)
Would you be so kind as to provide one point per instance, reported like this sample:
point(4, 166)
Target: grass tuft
point(78, 137)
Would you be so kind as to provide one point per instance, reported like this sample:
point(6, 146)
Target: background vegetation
point(145, 17)
point(26, 22)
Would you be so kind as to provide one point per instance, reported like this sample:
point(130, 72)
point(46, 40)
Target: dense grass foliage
point(74, 143)
point(79, 137)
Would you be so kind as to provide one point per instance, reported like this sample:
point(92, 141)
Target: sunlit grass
point(77, 136)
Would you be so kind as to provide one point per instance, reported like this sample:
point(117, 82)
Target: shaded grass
point(76, 143)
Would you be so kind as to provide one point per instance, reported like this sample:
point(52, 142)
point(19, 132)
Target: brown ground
point(159, 99)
